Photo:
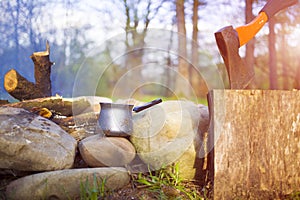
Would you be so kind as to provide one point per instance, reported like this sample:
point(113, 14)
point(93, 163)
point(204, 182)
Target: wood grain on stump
point(255, 137)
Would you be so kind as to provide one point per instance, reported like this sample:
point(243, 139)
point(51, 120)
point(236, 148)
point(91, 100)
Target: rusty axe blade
point(228, 43)
point(229, 40)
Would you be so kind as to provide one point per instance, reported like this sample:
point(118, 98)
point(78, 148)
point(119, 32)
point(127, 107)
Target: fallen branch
point(22, 89)
point(59, 105)
point(19, 87)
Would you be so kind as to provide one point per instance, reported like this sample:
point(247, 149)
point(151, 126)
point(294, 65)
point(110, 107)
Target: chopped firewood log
point(44, 112)
point(2, 102)
point(80, 120)
point(19, 87)
point(57, 105)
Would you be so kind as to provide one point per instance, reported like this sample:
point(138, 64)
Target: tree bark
point(20, 88)
point(42, 71)
point(255, 135)
point(272, 55)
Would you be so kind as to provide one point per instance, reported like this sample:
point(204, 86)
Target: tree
point(272, 55)
point(273, 62)
point(17, 33)
point(137, 23)
point(24, 29)
point(296, 84)
point(287, 64)
point(135, 48)
point(283, 20)
point(249, 56)
point(196, 79)
point(183, 66)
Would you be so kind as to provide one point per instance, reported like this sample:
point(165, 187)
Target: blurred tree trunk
point(197, 81)
point(193, 73)
point(284, 63)
point(168, 74)
point(272, 56)
point(297, 76)
point(183, 67)
point(134, 46)
point(249, 57)
point(135, 39)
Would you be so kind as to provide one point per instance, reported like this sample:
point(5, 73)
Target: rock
point(129, 101)
point(29, 142)
point(168, 133)
point(66, 184)
point(204, 118)
point(99, 151)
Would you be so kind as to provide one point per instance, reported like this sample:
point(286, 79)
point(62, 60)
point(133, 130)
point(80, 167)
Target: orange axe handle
point(248, 31)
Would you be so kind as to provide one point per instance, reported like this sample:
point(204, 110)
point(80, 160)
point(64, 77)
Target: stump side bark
point(42, 71)
point(256, 140)
point(19, 87)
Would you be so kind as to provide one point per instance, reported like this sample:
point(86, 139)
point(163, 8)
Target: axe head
point(238, 73)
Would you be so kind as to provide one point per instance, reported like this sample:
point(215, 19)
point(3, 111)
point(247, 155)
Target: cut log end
point(19, 87)
point(11, 80)
point(43, 53)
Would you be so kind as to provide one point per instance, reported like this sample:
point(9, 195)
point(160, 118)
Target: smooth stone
point(29, 142)
point(99, 151)
point(171, 132)
point(66, 184)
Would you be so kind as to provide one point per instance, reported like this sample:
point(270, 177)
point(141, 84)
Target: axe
point(229, 40)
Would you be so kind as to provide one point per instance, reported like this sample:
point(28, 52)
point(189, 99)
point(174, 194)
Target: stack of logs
point(22, 89)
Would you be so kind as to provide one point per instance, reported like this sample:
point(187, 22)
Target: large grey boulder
point(29, 142)
point(66, 184)
point(171, 133)
point(99, 151)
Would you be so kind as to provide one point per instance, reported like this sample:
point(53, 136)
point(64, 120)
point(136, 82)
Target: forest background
point(90, 34)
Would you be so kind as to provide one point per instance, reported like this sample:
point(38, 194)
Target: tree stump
point(22, 89)
point(42, 70)
point(255, 136)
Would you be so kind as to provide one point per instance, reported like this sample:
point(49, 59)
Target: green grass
point(166, 183)
point(294, 196)
point(95, 191)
